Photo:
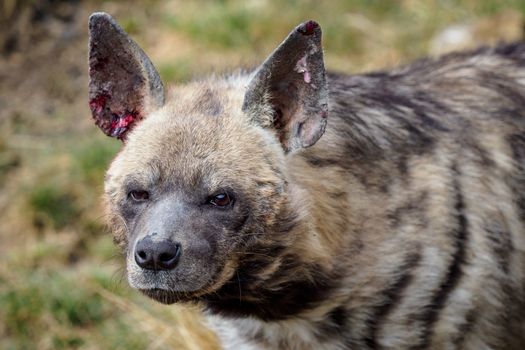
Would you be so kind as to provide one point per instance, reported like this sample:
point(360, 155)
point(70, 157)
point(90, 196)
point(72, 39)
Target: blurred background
point(62, 283)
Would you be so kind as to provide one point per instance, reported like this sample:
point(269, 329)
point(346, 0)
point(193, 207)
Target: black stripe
point(390, 299)
point(333, 325)
point(415, 207)
point(319, 162)
point(460, 234)
point(517, 180)
point(465, 328)
point(501, 244)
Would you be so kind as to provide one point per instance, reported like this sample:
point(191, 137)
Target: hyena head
point(201, 185)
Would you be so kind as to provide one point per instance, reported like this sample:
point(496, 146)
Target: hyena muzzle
point(402, 227)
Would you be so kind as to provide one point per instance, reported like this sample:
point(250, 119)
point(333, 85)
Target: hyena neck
point(278, 279)
point(271, 301)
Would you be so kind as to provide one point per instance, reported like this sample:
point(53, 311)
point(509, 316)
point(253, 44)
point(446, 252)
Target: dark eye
point(221, 200)
point(139, 196)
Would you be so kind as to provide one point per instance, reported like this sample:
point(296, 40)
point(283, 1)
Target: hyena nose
point(157, 255)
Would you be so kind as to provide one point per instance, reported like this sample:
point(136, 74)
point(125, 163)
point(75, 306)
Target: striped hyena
point(398, 224)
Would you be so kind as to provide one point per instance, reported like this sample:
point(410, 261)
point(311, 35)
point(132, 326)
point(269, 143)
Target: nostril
point(143, 259)
point(160, 255)
point(168, 255)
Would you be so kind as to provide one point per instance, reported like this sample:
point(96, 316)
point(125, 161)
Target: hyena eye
point(138, 196)
point(221, 200)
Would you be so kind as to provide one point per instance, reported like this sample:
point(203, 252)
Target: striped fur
point(403, 227)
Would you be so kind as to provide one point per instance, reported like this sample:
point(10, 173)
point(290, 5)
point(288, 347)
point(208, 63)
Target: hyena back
point(402, 227)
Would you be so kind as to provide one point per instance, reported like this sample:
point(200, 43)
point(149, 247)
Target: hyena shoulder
point(427, 163)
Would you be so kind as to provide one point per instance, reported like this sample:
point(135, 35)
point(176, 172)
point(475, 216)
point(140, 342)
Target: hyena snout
point(157, 255)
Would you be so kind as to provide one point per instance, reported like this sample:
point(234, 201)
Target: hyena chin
point(403, 227)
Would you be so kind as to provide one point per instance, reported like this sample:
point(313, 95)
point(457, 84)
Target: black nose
point(157, 255)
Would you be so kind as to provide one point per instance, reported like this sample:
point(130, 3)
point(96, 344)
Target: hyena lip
point(167, 296)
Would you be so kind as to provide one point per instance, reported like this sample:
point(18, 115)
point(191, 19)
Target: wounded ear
point(123, 84)
point(291, 83)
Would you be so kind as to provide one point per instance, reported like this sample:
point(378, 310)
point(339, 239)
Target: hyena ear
point(124, 87)
point(291, 86)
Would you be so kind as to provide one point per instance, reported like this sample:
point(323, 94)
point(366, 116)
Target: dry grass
point(61, 280)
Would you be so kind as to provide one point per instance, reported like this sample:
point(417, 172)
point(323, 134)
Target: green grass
point(92, 157)
point(9, 160)
point(52, 310)
point(176, 72)
point(52, 205)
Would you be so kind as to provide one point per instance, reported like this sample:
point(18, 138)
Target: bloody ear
point(291, 83)
point(123, 84)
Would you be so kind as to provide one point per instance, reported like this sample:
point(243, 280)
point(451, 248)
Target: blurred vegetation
point(62, 283)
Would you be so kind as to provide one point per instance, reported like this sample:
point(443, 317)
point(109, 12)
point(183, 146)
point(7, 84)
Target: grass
point(52, 306)
point(62, 283)
point(51, 205)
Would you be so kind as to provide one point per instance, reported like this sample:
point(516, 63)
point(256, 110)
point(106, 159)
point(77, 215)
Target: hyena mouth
point(170, 294)
point(167, 296)
point(174, 292)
